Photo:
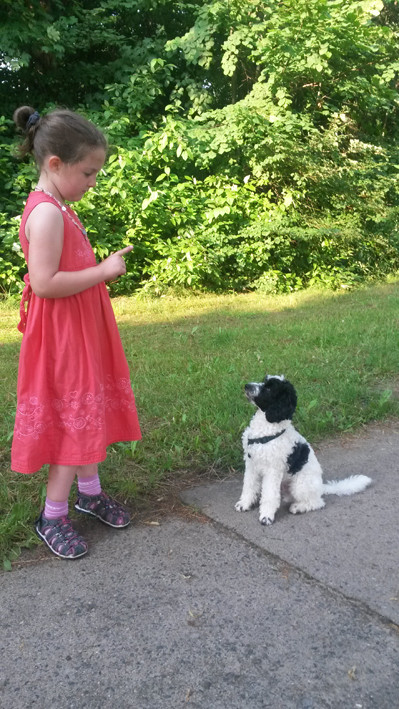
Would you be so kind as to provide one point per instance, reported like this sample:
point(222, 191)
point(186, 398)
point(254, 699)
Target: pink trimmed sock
point(55, 510)
point(89, 486)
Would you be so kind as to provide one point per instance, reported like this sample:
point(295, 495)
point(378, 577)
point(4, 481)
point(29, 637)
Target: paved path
point(220, 614)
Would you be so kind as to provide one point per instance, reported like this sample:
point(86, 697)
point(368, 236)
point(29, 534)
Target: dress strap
point(26, 295)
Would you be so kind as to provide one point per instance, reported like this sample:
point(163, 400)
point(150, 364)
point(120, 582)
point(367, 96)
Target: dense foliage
point(252, 144)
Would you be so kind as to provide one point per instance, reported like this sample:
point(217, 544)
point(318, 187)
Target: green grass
point(189, 360)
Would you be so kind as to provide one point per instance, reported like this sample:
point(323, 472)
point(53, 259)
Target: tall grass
point(190, 358)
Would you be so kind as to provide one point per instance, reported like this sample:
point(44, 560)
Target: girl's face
point(72, 181)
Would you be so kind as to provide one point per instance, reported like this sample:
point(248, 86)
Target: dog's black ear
point(277, 399)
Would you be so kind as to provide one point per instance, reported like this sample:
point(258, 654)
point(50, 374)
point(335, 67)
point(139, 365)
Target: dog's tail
point(348, 486)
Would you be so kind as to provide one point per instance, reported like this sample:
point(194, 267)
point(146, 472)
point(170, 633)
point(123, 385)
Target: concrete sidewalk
point(221, 614)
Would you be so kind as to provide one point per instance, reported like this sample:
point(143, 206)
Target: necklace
point(64, 209)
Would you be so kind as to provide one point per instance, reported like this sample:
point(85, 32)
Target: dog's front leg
point(270, 496)
point(250, 489)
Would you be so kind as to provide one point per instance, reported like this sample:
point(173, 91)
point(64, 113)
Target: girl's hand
point(46, 237)
point(114, 265)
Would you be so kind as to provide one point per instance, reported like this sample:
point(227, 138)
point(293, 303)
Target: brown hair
point(61, 132)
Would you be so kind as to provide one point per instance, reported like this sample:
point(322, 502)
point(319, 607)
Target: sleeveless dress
point(74, 396)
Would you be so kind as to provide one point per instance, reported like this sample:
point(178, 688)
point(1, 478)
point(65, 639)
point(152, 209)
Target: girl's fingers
point(125, 250)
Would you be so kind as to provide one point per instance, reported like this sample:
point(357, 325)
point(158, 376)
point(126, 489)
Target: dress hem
point(88, 460)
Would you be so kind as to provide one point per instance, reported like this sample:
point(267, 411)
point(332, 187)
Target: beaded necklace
point(64, 209)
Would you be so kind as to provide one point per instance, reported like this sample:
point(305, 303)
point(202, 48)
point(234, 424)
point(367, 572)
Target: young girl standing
point(74, 393)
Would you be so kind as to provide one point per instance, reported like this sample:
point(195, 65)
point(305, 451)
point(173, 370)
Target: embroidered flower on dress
point(89, 398)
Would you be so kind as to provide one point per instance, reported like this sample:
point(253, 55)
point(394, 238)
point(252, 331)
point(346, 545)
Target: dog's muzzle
point(252, 390)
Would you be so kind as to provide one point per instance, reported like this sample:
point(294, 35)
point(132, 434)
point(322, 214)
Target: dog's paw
point(301, 507)
point(241, 507)
point(298, 508)
point(266, 521)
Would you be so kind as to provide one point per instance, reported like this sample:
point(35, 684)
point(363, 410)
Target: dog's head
point(275, 396)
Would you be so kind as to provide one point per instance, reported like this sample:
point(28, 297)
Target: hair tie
point(32, 120)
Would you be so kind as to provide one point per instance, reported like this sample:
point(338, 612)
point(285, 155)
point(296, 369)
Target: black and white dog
point(277, 456)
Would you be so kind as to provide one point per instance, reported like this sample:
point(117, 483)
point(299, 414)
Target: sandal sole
point(93, 514)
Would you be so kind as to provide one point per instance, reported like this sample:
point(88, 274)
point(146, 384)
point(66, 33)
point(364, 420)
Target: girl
point(74, 393)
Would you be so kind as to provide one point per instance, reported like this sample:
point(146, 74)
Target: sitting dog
point(277, 456)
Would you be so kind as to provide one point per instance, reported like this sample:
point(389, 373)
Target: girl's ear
point(54, 163)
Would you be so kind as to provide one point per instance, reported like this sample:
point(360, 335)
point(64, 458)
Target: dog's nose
point(251, 389)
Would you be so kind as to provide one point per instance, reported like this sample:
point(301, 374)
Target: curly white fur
point(279, 460)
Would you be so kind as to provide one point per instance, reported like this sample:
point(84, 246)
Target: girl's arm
point(45, 233)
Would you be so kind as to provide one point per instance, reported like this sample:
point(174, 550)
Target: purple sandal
point(61, 538)
point(104, 508)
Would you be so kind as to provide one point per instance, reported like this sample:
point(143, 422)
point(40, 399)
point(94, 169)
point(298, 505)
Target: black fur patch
point(298, 458)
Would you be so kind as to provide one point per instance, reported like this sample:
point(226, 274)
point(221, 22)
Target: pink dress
point(74, 392)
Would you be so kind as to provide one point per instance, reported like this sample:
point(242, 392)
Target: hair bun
point(23, 115)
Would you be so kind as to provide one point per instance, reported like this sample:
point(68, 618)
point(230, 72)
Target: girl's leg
point(86, 471)
point(60, 479)
point(88, 480)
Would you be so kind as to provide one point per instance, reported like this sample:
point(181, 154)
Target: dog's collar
point(265, 439)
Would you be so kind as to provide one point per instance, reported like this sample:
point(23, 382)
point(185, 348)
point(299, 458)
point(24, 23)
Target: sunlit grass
point(190, 358)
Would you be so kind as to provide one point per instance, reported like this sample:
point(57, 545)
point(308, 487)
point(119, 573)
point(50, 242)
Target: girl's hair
point(61, 132)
